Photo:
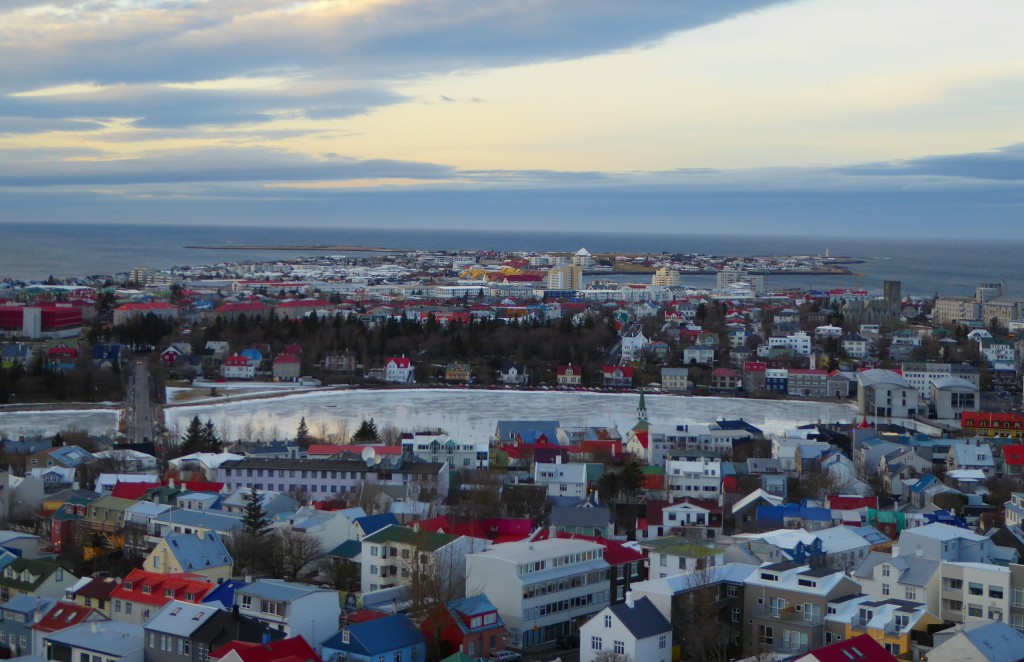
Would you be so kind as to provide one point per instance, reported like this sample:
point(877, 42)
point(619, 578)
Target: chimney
point(234, 612)
point(629, 599)
point(93, 627)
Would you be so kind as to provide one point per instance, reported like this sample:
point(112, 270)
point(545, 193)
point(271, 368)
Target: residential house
point(513, 374)
point(292, 649)
point(34, 577)
point(673, 555)
point(272, 502)
point(615, 376)
point(675, 379)
point(143, 593)
point(60, 616)
point(569, 376)
point(573, 479)
point(64, 457)
point(286, 368)
point(785, 606)
point(201, 554)
point(106, 355)
point(17, 616)
point(807, 383)
point(634, 629)
point(294, 609)
point(470, 625)
point(397, 555)
point(110, 641)
point(588, 517)
point(951, 543)
point(725, 379)
point(862, 647)
point(238, 367)
point(95, 593)
point(186, 632)
point(914, 578)
point(441, 448)
point(972, 454)
point(981, 642)
point(699, 355)
point(900, 627)
point(856, 346)
point(398, 370)
point(633, 346)
point(392, 637)
point(542, 588)
point(692, 515)
point(457, 372)
point(700, 478)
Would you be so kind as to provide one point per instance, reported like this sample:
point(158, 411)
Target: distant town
point(892, 529)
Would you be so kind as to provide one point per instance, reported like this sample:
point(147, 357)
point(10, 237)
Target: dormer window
point(769, 577)
point(168, 593)
point(128, 586)
point(147, 589)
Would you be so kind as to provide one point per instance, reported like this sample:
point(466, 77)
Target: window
point(117, 606)
point(662, 642)
point(885, 589)
point(607, 621)
point(956, 584)
point(128, 608)
point(735, 614)
point(620, 648)
point(184, 647)
point(765, 635)
point(246, 602)
point(1017, 597)
point(911, 594)
point(995, 592)
point(975, 588)
point(901, 621)
point(975, 611)
point(270, 607)
point(595, 643)
point(885, 569)
point(892, 648)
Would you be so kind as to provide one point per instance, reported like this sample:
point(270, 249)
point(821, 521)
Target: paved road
point(139, 405)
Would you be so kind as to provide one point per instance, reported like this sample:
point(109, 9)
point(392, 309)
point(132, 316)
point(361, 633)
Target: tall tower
point(641, 408)
point(891, 293)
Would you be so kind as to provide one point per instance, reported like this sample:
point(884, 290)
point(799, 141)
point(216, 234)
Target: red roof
point(710, 506)
point(724, 372)
point(755, 366)
point(401, 362)
point(615, 553)
point(860, 649)
point(294, 350)
point(364, 615)
point(287, 358)
point(151, 588)
point(203, 486)
point(989, 419)
point(62, 615)
point(133, 491)
point(654, 514)
point(1013, 454)
point(841, 502)
point(324, 449)
point(627, 371)
point(303, 303)
point(236, 360)
point(293, 648)
point(563, 369)
point(242, 308)
point(443, 525)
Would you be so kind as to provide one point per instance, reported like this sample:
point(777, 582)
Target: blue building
point(390, 638)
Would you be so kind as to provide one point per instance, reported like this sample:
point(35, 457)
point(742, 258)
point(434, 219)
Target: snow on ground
point(473, 415)
point(14, 424)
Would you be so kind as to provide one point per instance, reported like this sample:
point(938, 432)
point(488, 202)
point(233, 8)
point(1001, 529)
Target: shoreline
point(364, 249)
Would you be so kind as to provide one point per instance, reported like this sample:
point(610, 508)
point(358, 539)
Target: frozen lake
point(473, 415)
point(14, 424)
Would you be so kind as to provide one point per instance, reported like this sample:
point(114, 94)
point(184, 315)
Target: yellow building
point(895, 624)
point(196, 553)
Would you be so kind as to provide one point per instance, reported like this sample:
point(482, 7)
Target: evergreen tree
point(211, 440)
point(254, 519)
point(194, 439)
point(367, 432)
point(302, 437)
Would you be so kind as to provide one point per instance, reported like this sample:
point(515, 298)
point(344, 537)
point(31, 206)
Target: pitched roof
point(857, 649)
point(194, 553)
point(428, 540)
point(642, 619)
point(377, 636)
point(996, 642)
point(293, 648)
point(180, 618)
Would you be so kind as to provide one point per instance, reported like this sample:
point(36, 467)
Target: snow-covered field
point(473, 415)
point(14, 424)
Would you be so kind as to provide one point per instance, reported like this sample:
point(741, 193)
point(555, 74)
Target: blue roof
point(373, 523)
point(474, 605)
point(997, 642)
point(194, 553)
point(107, 351)
point(224, 593)
point(252, 354)
point(378, 637)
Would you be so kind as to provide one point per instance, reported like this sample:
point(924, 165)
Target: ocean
point(925, 266)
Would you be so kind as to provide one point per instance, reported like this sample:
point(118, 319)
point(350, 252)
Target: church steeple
point(641, 408)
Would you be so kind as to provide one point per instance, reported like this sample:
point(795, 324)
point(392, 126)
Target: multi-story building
point(800, 343)
point(913, 578)
point(542, 589)
point(570, 375)
point(320, 478)
point(397, 555)
point(565, 277)
point(975, 592)
point(884, 393)
point(398, 370)
point(784, 606)
point(992, 424)
point(665, 277)
point(902, 628)
point(675, 379)
point(700, 478)
point(293, 609)
point(921, 375)
point(729, 277)
point(441, 448)
point(572, 479)
point(673, 555)
point(954, 310)
point(143, 593)
point(807, 383)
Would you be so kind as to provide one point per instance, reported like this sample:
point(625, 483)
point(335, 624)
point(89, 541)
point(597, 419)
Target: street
point(139, 406)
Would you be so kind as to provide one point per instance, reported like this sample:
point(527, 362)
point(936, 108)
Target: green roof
point(423, 540)
point(680, 547)
point(40, 568)
point(653, 471)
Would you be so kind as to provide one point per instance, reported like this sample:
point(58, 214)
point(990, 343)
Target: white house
point(633, 630)
point(295, 609)
point(562, 480)
point(398, 370)
point(632, 346)
point(885, 393)
point(701, 478)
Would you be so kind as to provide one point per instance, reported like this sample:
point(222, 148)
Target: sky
point(844, 117)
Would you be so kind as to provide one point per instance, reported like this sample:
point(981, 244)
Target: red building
point(469, 625)
point(992, 424)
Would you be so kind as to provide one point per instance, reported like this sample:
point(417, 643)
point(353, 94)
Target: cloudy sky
point(771, 116)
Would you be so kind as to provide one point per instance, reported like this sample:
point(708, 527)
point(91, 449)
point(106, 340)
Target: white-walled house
point(295, 609)
point(398, 370)
point(634, 630)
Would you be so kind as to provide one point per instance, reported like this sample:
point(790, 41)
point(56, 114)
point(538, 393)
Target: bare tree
point(341, 574)
point(247, 429)
point(368, 497)
point(702, 623)
point(298, 551)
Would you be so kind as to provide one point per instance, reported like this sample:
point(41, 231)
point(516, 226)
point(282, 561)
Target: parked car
point(506, 656)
